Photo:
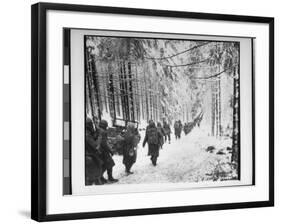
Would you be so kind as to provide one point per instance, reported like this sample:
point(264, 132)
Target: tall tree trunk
point(131, 95)
point(213, 107)
point(104, 84)
point(142, 94)
point(137, 93)
point(150, 98)
point(122, 90)
point(111, 92)
point(126, 92)
point(92, 84)
point(219, 103)
point(216, 110)
point(235, 135)
point(219, 108)
point(90, 96)
point(146, 90)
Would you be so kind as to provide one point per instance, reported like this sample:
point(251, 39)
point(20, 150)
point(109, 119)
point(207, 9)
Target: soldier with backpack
point(153, 138)
point(162, 132)
point(131, 140)
point(177, 129)
point(167, 131)
point(93, 160)
point(185, 128)
point(180, 129)
point(106, 153)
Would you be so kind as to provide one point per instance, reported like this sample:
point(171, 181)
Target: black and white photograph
point(161, 110)
point(140, 111)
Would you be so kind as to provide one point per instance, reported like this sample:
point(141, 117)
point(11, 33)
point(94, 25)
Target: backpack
point(152, 136)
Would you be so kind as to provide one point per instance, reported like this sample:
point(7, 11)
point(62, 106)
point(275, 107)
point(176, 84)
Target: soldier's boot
point(154, 160)
point(103, 180)
point(110, 177)
point(128, 170)
point(98, 181)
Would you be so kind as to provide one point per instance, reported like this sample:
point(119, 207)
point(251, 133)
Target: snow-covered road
point(184, 160)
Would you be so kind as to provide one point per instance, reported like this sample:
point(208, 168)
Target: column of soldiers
point(99, 153)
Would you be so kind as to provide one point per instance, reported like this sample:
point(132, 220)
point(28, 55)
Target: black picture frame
point(38, 110)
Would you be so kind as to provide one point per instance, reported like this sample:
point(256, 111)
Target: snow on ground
point(184, 160)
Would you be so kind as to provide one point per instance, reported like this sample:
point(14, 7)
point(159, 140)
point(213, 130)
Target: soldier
point(185, 128)
point(106, 153)
point(162, 133)
point(153, 138)
point(167, 131)
point(176, 129)
point(180, 129)
point(94, 163)
point(131, 140)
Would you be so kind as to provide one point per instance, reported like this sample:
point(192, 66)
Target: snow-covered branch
point(189, 64)
point(182, 52)
point(215, 75)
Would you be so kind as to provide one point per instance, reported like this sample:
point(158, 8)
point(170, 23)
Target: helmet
point(88, 120)
point(89, 124)
point(151, 123)
point(131, 126)
point(103, 124)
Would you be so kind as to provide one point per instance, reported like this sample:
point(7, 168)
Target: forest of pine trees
point(137, 79)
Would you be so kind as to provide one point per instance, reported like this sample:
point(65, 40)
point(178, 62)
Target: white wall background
point(15, 110)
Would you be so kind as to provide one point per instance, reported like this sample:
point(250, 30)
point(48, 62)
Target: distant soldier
point(153, 138)
point(185, 128)
point(167, 131)
point(176, 129)
point(180, 129)
point(131, 140)
point(94, 163)
point(162, 133)
point(106, 153)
